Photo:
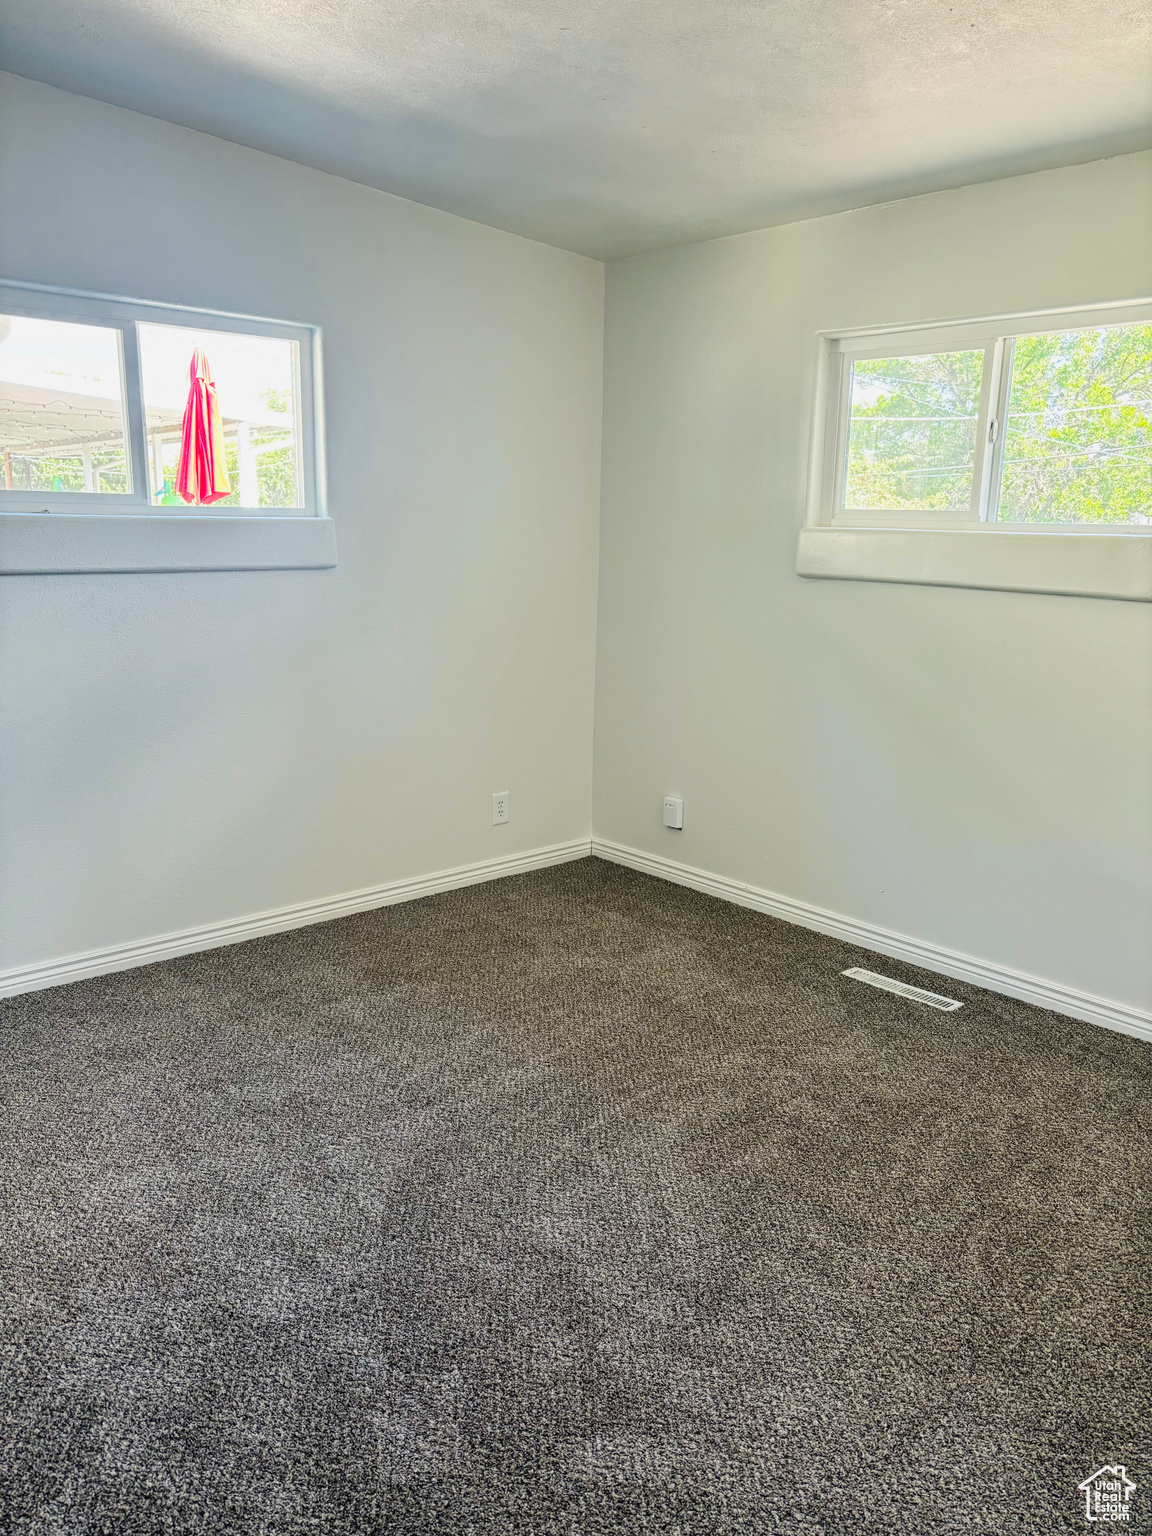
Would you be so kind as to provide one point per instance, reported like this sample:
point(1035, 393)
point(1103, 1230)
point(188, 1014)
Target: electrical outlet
point(674, 812)
point(500, 808)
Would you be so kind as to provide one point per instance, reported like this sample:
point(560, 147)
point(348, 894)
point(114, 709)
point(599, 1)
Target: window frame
point(14, 302)
point(996, 336)
point(966, 548)
point(840, 364)
point(118, 531)
point(124, 315)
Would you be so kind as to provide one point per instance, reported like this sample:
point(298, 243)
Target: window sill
point(38, 543)
point(1076, 564)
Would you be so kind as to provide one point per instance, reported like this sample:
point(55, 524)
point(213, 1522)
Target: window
point(1026, 425)
point(95, 419)
point(256, 391)
point(1076, 445)
point(912, 432)
point(63, 424)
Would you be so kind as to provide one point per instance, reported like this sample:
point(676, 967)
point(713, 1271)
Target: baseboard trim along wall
point(932, 957)
point(122, 957)
point(947, 962)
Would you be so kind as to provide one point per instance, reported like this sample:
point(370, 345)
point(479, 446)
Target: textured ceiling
point(614, 126)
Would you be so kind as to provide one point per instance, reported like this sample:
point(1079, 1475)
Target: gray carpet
point(572, 1203)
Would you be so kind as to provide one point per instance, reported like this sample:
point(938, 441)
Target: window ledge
point(1117, 564)
point(41, 543)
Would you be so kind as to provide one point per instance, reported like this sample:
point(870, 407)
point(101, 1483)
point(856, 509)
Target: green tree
point(1078, 442)
point(913, 431)
point(1077, 439)
point(65, 471)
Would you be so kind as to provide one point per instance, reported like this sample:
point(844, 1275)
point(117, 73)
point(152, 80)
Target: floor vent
point(902, 989)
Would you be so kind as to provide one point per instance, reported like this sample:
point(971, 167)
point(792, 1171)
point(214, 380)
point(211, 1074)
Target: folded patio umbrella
point(202, 475)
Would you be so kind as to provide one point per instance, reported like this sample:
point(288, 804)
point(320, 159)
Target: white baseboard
point(899, 946)
point(121, 957)
point(932, 957)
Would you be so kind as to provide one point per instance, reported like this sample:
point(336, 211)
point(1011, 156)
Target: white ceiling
point(616, 126)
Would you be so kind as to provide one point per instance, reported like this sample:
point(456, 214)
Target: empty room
point(575, 768)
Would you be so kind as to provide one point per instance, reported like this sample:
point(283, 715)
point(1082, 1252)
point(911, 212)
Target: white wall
point(970, 768)
point(183, 749)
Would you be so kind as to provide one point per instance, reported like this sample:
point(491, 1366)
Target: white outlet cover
point(500, 807)
point(674, 812)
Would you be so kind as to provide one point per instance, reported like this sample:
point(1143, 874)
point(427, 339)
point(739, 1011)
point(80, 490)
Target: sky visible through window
point(57, 354)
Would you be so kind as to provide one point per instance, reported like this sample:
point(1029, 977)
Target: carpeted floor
point(572, 1203)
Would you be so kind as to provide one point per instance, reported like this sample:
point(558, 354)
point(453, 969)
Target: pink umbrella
point(202, 476)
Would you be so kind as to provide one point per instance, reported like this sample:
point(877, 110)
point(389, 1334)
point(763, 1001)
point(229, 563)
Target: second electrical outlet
point(500, 808)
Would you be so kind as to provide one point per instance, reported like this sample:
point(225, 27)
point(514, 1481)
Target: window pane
point(912, 432)
point(1077, 440)
point(61, 407)
point(255, 379)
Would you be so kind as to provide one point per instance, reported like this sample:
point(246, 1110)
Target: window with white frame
point(99, 410)
point(1033, 423)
